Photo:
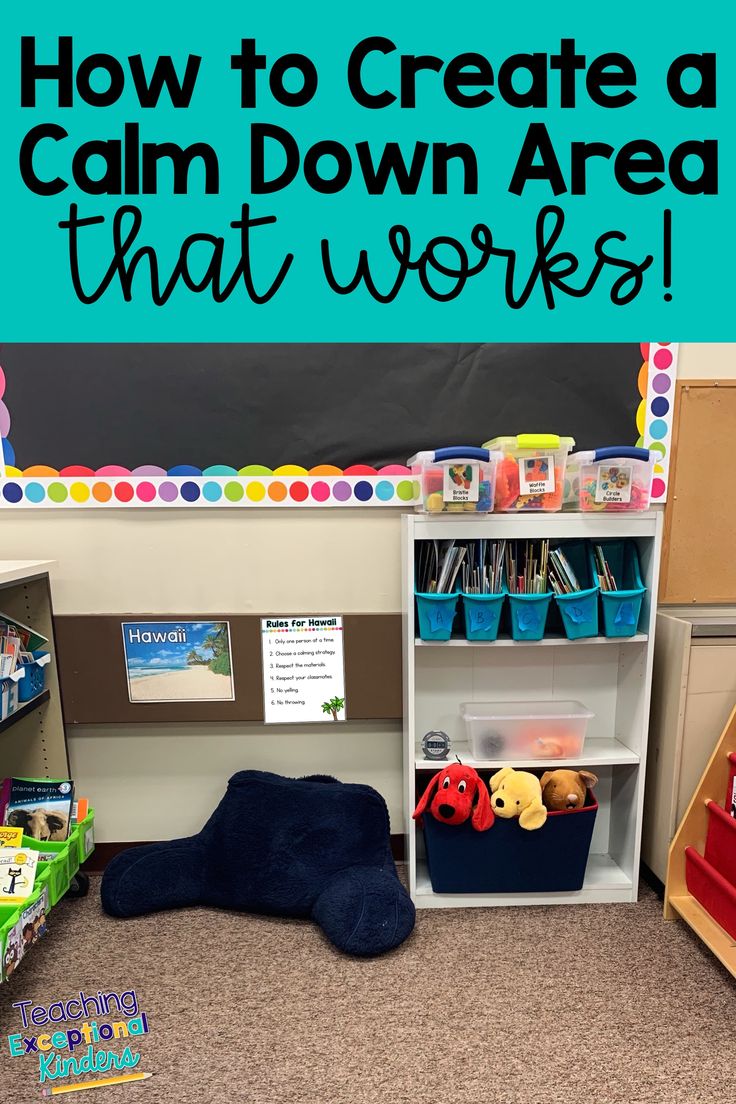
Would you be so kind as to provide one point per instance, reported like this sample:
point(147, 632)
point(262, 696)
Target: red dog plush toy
point(450, 797)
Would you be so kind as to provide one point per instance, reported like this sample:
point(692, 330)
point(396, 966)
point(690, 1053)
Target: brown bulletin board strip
point(700, 517)
point(94, 687)
point(373, 680)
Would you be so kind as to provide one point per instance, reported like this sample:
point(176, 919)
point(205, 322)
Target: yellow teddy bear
point(518, 794)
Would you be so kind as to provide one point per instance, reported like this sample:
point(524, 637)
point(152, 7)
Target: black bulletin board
point(238, 404)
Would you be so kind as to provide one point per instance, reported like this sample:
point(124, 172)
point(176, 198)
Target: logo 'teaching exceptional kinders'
point(74, 1050)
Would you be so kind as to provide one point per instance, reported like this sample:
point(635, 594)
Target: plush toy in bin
point(450, 795)
point(566, 789)
point(518, 794)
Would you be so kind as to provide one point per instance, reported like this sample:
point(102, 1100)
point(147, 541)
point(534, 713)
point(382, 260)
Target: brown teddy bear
point(566, 789)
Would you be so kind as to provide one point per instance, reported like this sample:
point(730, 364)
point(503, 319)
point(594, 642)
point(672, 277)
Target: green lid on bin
point(535, 441)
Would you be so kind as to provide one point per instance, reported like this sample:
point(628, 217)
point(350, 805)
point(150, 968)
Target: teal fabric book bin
point(529, 615)
point(436, 613)
point(579, 610)
point(622, 608)
point(482, 615)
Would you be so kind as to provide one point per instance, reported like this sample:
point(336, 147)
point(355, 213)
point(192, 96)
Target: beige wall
point(700, 360)
point(157, 782)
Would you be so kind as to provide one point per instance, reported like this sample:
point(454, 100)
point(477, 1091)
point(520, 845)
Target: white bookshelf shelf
point(611, 676)
point(546, 642)
point(528, 525)
point(605, 882)
point(24, 710)
point(605, 752)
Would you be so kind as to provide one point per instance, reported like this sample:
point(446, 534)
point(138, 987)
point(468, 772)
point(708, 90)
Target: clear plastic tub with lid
point(456, 480)
point(618, 478)
point(503, 731)
point(531, 473)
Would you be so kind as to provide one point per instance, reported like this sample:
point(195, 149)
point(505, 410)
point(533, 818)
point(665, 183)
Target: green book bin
point(85, 836)
point(60, 869)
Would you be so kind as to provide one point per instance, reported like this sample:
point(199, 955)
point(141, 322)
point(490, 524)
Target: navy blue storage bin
point(34, 677)
point(508, 858)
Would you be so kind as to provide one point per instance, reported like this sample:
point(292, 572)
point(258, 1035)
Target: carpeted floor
point(602, 1004)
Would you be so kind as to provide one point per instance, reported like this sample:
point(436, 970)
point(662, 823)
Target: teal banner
point(403, 172)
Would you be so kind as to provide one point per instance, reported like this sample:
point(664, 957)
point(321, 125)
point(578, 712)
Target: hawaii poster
point(178, 661)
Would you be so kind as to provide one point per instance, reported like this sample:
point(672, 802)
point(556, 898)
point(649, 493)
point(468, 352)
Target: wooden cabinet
point(693, 693)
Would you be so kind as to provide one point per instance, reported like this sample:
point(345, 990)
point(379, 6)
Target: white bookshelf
point(611, 677)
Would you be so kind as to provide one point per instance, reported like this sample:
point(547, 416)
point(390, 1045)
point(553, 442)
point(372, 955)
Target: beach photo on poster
point(178, 661)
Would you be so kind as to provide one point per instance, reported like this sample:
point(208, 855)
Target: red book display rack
point(701, 874)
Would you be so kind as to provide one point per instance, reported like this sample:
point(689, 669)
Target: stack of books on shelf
point(18, 643)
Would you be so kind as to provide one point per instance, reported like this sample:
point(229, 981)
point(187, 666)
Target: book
point(13, 950)
point(80, 809)
point(9, 698)
point(527, 566)
point(10, 837)
point(33, 920)
point(10, 650)
point(29, 638)
point(474, 565)
point(17, 874)
point(562, 576)
point(41, 807)
point(31, 926)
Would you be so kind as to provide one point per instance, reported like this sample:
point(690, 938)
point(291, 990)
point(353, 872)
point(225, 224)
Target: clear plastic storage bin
point(531, 473)
point(456, 480)
point(525, 730)
point(616, 479)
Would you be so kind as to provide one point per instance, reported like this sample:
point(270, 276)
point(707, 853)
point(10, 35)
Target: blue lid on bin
point(450, 452)
point(612, 452)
